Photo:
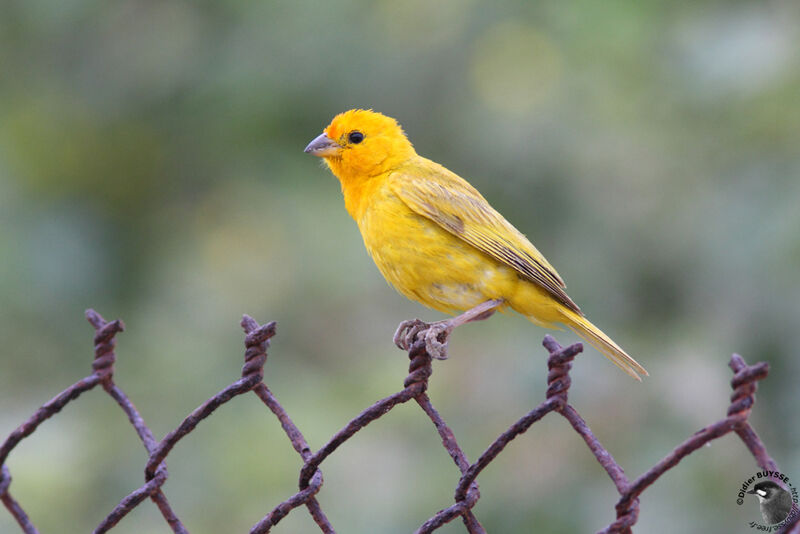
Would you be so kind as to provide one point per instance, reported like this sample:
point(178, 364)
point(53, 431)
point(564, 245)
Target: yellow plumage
point(436, 239)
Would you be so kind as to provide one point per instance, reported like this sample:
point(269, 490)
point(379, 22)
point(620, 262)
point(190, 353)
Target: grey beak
point(323, 146)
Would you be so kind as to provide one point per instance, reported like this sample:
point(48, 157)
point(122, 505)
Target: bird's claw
point(407, 331)
point(436, 340)
point(435, 335)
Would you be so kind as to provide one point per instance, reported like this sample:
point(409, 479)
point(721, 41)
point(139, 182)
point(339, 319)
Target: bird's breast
point(427, 263)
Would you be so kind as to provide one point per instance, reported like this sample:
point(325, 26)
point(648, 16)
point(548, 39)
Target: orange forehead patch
point(364, 120)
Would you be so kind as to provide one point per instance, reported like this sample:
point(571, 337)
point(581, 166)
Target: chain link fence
point(415, 385)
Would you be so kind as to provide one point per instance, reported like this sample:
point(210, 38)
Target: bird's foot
point(407, 331)
point(434, 334)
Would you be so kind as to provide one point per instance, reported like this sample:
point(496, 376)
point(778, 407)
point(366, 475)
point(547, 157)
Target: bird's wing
point(445, 198)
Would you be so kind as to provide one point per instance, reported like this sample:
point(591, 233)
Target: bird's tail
point(581, 326)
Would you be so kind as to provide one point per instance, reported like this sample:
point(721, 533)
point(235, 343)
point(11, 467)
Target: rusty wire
point(466, 493)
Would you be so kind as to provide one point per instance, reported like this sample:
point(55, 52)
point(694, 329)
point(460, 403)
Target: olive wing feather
point(452, 203)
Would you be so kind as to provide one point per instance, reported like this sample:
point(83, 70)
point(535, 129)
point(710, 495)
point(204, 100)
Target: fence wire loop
point(104, 342)
point(256, 343)
point(559, 364)
point(420, 367)
point(744, 385)
point(310, 481)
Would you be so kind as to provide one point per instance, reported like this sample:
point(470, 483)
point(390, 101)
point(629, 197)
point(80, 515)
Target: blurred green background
point(151, 167)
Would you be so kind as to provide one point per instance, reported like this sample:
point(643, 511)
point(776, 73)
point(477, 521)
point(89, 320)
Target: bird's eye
point(355, 137)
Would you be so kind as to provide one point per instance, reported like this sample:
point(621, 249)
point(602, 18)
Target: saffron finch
point(438, 241)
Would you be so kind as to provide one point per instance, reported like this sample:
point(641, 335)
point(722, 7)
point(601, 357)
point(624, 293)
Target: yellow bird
point(438, 241)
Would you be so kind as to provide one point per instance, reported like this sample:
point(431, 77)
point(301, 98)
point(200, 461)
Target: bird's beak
point(751, 492)
point(323, 146)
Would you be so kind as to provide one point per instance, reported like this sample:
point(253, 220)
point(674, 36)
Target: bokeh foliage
point(151, 167)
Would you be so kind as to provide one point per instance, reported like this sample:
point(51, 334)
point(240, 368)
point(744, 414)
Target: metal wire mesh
point(466, 495)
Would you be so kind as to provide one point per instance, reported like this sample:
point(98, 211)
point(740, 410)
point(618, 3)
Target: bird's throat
point(357, 193)
point(356, 186)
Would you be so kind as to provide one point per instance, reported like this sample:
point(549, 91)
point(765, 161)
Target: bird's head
point(359, 143)
point(765, 490)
